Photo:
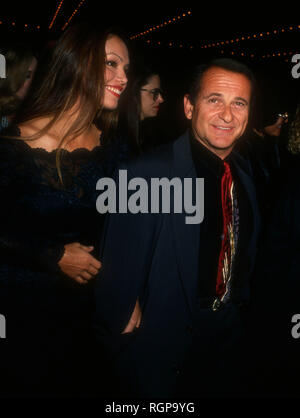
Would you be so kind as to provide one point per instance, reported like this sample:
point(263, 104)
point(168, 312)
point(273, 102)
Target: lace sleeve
point(15, 246)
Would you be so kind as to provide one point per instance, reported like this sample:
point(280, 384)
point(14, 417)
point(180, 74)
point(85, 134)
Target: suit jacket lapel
point(251, 248)
point(186, 236)
point(250, 190)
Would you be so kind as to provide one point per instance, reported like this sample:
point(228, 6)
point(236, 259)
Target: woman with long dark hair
point(140, 109)
point(49, 165)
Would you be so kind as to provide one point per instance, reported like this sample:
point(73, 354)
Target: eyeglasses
point(155, 93)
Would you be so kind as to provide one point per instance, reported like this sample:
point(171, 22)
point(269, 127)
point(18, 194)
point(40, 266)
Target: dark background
point(176, 47)
point(271, 37)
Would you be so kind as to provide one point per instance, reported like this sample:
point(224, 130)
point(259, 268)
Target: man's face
point(220, 115)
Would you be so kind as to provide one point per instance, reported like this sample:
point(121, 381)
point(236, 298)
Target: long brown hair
point(74, 77)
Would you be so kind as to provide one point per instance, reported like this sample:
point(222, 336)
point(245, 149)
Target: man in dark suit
point(189, 282)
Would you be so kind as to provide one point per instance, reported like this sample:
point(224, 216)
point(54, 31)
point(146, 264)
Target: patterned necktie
point(227, 248)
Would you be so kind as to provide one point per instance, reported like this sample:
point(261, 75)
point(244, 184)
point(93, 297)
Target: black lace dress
point(48, 347)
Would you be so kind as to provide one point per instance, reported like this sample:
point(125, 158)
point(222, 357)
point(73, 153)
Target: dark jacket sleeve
point(127, 251)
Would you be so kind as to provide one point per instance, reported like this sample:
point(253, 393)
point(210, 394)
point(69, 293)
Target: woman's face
point(151, 97)
point(22, 92)
point(116, 69)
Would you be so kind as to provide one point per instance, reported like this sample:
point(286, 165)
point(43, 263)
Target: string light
point(251, 54)
point(24, 25)
point(254, 36)
point(55, 14)
point(263, 56)
point(165, 23)
point(73, 14)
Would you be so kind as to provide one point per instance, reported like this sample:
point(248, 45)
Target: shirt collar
point(203, 155)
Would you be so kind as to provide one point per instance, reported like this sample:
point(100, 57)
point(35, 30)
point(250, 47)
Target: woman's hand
point(78, 263)
point(135, 319)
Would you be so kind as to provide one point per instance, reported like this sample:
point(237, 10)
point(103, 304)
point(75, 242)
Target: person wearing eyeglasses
point(140, 107)
point(151, 97)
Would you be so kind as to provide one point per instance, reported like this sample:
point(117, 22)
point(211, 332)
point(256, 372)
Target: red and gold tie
point(227, 248)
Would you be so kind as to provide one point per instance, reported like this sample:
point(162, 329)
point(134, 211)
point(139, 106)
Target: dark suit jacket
point(154, 257)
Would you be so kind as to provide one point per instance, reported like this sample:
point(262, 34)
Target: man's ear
point(188, 107)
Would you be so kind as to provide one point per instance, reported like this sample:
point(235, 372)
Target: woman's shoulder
point(12, 156)
point(30, 131)
point(13, 146)
point(10, 140)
